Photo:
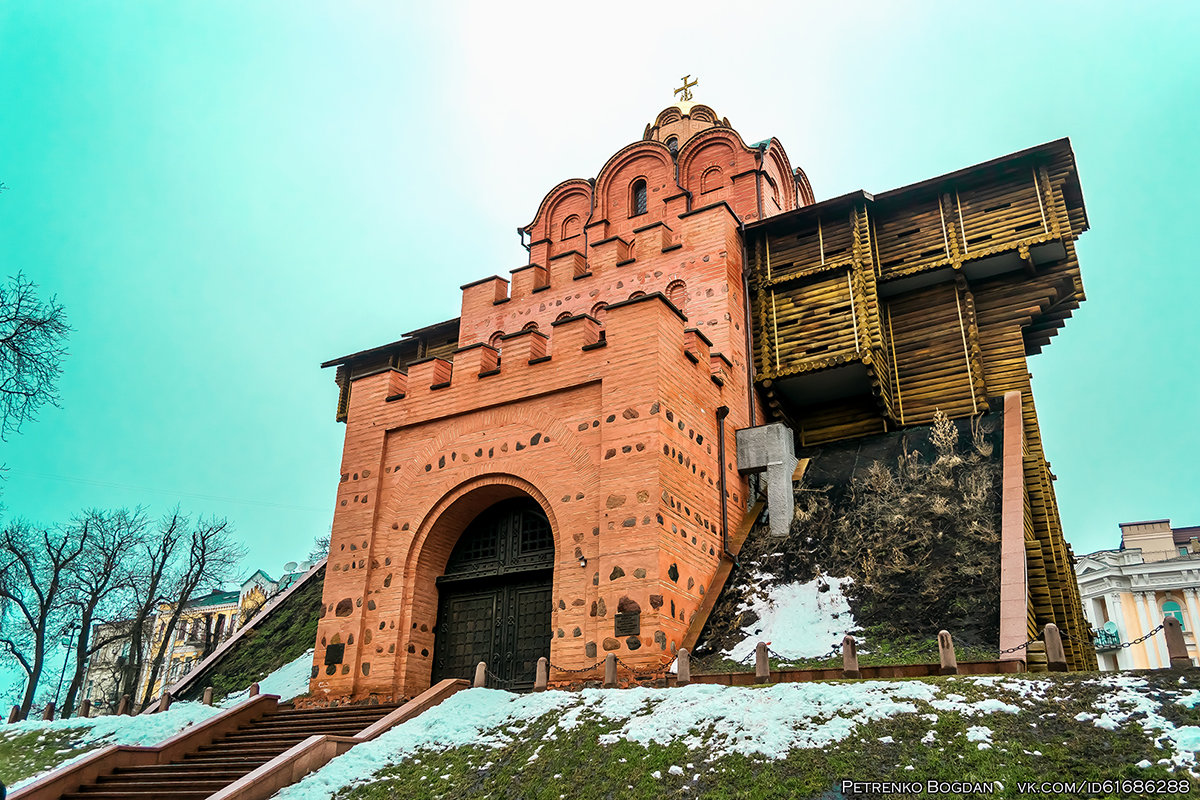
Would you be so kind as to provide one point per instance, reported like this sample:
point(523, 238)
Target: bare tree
point(34, 564)
point(32, 334)
point(99, 580)
point(320, 548)
point(151, 563)
point(212, 555)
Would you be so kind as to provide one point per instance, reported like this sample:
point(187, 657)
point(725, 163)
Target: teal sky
point(224, 194)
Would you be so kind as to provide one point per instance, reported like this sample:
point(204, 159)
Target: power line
point(191, 495)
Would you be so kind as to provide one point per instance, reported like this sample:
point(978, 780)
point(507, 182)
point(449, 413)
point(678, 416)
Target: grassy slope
point(920, 538)
point(30, 752)
point(577, 766)
point(282, 637)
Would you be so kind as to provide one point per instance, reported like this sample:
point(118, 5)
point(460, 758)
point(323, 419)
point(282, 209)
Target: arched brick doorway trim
point(433, 543)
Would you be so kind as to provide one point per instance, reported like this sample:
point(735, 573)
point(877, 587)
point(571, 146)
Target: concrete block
point(771, 449)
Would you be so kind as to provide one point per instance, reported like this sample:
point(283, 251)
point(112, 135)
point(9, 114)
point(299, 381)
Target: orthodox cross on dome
point(686, 89)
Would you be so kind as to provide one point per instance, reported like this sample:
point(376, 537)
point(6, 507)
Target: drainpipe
point(746, 324)
point(758, 156)
point(722, 412)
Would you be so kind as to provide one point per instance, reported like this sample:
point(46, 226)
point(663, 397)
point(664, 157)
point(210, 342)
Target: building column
point(1191, 602)
point(1154, 615)
point(1139, 603)
point(1122, 656)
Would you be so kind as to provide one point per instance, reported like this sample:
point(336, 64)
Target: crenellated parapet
point(694, 259)
point(577, 349)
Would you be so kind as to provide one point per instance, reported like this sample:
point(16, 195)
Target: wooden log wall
point(937, 294)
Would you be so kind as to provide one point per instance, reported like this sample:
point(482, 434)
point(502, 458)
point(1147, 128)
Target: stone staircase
point(211, 767)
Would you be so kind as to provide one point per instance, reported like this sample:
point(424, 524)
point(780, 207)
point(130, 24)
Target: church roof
point(212, 599)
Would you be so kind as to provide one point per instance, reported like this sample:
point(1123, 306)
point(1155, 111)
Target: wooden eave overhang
point(1057, 150)
point(410, 339)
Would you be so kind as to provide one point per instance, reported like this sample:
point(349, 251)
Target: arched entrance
point(495, 598)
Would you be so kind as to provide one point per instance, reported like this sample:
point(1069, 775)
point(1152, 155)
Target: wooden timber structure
point(871, 312)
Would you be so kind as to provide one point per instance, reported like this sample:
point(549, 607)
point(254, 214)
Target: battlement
point(601, 270)
point(578, 348)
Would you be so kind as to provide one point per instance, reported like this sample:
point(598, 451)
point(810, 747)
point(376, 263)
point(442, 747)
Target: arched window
point(637, 294)
point(711, 179)
point(677, 294)
point(571, 227)
point(530, 326)
point(638, 200)
point(599, 311)
point(495, 339)
point(1173, 609)
point(673, 144)
point(563, 315)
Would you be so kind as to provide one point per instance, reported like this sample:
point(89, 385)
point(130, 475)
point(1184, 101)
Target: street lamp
point(67, 657)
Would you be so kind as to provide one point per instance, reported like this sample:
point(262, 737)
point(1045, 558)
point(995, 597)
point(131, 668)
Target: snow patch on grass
point(764, 722)
point(798, 619)
point(97, 732)
point(289, 681)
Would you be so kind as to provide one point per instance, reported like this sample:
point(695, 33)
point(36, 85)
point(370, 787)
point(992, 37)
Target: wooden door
point(495, 599)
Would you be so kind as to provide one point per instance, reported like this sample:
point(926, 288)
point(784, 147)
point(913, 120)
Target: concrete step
point(144, 785)
point(323, 719)
point(180, 771)
point(224, 761)
point(341, 729)
point(342, 711)
point(150, 794)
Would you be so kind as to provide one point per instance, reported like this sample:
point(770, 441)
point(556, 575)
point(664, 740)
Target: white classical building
point(1127, 592)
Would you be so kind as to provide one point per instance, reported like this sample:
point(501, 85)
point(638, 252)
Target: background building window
point(1173, 609)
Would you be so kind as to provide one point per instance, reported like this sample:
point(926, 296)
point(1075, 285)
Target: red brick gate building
point(542, 476)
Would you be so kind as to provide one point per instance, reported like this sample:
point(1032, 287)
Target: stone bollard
point(1176, 646)
point(48, 711)
point(762, 666)
point(13, 714)
point(1056, 657)
point(683, 668)
point(85, 709)
point(480, 676)
point(123, 706)
point(208, 695)
point(850, 658)
point(610, 671)
point(946, 651)
point(254, 689)
point(542, 678)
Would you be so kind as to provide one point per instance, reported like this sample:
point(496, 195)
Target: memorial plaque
point(627, 623)
point(334, 654)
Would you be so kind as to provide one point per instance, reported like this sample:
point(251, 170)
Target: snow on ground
point(766, 722)
point(797, 619)
point(96, 732)
point(1126, 705)
point(290, 680)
